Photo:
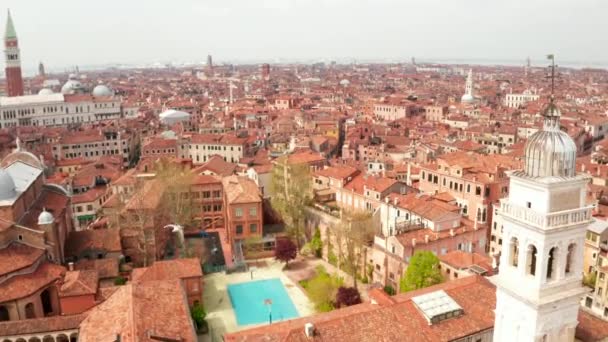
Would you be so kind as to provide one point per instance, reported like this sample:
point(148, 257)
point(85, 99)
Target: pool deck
point(220, 315)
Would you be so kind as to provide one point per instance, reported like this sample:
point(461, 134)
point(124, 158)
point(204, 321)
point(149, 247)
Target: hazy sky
point(70, 32)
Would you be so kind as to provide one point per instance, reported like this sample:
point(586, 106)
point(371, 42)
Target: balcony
point(549, 220)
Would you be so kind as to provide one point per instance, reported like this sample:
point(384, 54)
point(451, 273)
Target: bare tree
point(356, 232)
point(292, 192)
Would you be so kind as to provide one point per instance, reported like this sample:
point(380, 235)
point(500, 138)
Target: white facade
point(518, 100)
point(56, 110)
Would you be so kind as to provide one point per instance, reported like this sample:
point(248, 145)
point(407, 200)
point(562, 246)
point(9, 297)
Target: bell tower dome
point(539, 283)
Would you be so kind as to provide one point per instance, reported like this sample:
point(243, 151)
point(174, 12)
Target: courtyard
point(220, 312)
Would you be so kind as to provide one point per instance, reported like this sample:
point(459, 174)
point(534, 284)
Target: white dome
point(344, 82)
point(550, 152)
point(71, 86)
point(102, 90)
point(467, 98)
point(172, 116)
point(45, 218)
point(45, 91)
point(7, 185)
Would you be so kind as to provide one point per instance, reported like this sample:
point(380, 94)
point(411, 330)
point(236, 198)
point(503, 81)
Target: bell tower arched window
point(514, 252)
point(551, 263)
point(570, 258)
point(531, 260)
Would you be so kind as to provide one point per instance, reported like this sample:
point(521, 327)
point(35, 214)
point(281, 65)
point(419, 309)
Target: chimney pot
point(70, 266)
point(414, 242)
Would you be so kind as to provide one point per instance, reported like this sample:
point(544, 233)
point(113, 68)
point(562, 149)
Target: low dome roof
point(102, 90)
point(467, 98)
point(45, 91)
point(8, 189)
point(172, 116)
point(71, 86)
point(45, 218)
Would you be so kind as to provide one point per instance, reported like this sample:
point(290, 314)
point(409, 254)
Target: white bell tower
point(539, 285)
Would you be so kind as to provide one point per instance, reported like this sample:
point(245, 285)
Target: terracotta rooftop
point(240, 190)
point(78, 283)
point(168, 270)
point(93, 239)
point(136, 310)
point(17, 256)
point(21, 286)
point(40, 325)
point(106, 268)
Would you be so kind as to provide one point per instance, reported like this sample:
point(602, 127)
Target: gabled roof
point(241, 190)
point(140, 309)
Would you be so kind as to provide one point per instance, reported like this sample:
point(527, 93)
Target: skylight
point(437, 306)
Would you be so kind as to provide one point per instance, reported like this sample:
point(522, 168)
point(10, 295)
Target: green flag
point(550, 56)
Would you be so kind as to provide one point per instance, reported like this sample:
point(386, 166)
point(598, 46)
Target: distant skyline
point(66, 33)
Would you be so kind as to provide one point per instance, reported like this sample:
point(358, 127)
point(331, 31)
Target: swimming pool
point(249, 301)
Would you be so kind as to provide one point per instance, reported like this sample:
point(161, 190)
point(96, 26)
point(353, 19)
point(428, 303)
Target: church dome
point(71, 86)
point(102, 90)
point(550, 152)
point(45, 91)
point(7, 185)
point(467, 98)
point(45, 218)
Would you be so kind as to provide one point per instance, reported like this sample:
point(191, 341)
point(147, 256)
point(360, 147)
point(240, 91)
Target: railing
point(549, 220)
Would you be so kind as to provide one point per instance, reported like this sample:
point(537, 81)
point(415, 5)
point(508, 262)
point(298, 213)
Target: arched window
point(4, 314)
point(531, 260)
point(551, 263)
point(29, 311)
point(570, 258)
point(514, 253)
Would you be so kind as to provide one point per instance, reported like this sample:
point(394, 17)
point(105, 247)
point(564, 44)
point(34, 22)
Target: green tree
point(198, 315)
point(322, 289)
point(316, 244)
point(423, 271)
point(291, 192)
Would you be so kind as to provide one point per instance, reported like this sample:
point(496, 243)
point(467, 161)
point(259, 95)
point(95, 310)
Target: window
point(239, 229)
point(531, 260)
point(514, 252)
point(569, 256)
point(551, 263)
point(238, 212)
point(253, 211)
point(528, 205)
point(253, 228)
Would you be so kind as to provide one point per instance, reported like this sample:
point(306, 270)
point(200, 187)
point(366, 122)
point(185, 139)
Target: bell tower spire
point(539, 283)
point(12, 57)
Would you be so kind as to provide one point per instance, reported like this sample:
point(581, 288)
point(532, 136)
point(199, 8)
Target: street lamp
point(268, 302)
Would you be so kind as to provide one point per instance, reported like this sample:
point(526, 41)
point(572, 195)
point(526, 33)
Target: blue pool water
point(248, 301)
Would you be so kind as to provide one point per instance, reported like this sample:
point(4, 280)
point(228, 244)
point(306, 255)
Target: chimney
point(583, 168)
point(598, 171)
point(413, 242)
point(386, 199)
point(452, 232)
point(408, 179)
point(475, 226)
point(309, 330)
point(395, 201)
point(70, 266)
point(426, 238)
